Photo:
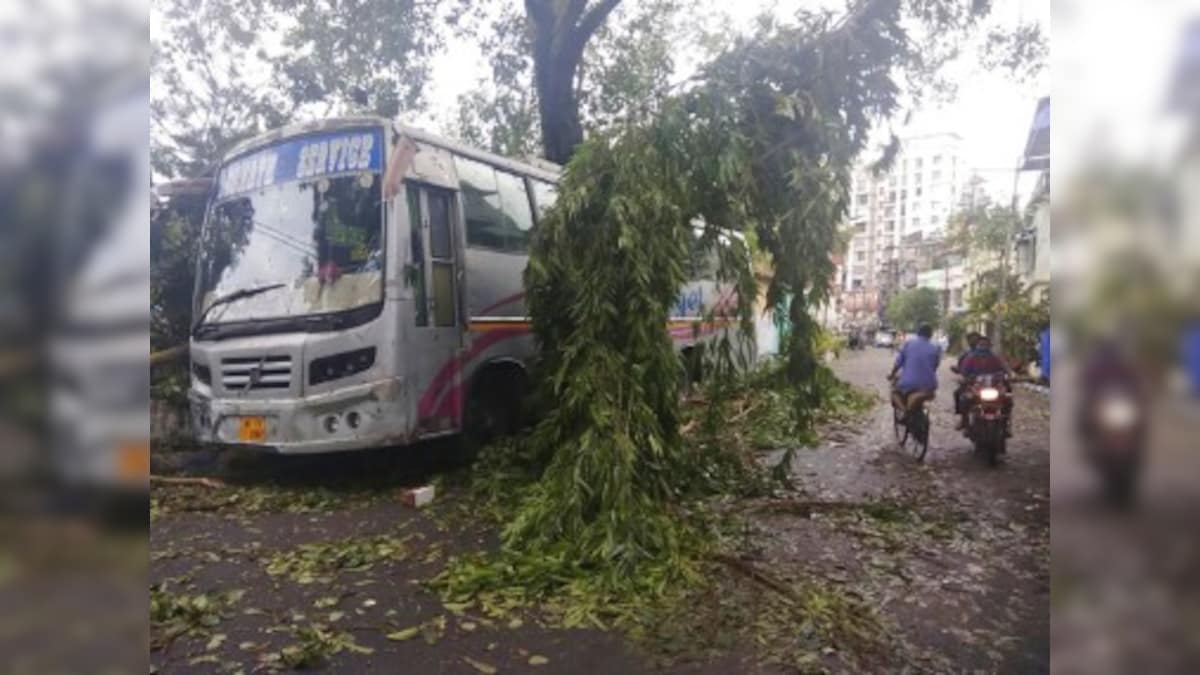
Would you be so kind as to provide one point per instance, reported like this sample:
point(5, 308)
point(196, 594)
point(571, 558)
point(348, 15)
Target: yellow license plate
point(252, 429)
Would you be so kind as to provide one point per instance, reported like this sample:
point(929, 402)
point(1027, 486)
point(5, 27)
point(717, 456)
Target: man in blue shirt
point(917, 365)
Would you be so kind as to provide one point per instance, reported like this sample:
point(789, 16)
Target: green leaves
point(175, 614)
point(911, 308)
point(313, 647)
point(405, 634)
point(310, 563)
point(480, 666)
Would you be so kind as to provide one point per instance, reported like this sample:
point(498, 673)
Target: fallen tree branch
point(185, 480)
point(808, 507)
point(745, 411)
point(167, 355)
point(755, 574)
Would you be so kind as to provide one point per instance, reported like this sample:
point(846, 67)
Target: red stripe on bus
point(429, 399)
point(488, 335)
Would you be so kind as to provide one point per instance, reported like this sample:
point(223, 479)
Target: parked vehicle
point(884, 339)
point(100, 328)
point(989, 406)
point(360, 286)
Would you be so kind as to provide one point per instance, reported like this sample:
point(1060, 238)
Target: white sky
point(991, 113)
point(1112, 64)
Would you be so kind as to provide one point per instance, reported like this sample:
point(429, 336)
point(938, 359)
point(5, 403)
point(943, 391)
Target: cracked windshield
point(305, 214)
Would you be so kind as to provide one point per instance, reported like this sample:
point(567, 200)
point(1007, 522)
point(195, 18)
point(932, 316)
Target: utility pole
point(946, 287)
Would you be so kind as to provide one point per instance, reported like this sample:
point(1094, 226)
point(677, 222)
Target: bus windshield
point(304, 215)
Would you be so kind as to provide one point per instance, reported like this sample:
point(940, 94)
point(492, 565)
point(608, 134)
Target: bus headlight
point(345, 364)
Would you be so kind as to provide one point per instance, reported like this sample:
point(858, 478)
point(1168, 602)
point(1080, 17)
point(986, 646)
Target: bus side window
point(518, 219)
point(496, 206)
point(481, 203)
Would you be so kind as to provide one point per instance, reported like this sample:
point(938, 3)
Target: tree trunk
point(561, 30)
point(559, 110)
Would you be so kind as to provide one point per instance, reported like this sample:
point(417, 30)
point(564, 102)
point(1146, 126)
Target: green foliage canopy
point(761, 141)
point(911, 308)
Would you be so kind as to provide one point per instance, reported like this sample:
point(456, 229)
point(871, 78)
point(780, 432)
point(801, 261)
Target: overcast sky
point(991, 113)
point(1112, 64)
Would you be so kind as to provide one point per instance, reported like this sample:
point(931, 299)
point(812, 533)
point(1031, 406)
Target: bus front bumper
point(365, 416)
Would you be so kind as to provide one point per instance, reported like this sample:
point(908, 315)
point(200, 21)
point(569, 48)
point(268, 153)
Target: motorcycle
point(989, 402)
point(1114, 436)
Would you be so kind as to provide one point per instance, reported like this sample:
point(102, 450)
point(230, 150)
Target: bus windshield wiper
point(233, 297)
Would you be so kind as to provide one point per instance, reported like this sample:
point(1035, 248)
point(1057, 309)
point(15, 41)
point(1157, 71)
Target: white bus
point(359, 285)
point(100, 336)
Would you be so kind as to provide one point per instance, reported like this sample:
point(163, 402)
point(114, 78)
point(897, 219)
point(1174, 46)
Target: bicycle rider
point(917, 365)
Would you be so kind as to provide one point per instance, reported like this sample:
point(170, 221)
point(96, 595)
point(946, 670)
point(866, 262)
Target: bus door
point(433, 352)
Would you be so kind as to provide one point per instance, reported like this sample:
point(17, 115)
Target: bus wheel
point(692, 371)
point(492, 411)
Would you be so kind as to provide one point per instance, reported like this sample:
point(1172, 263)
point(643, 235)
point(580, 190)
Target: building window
point(936, 176)
point(918, 192)
point(918, 163)
point(891, 225)
point(937, 159)
point(860, 256)
point(863, 198)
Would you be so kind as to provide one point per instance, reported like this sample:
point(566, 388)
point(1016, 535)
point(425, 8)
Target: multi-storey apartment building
point(897, 219)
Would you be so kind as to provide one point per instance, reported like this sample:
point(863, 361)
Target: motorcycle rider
point(979, 361)
point(957, 368)
point(1108, 369)
point(917, 365)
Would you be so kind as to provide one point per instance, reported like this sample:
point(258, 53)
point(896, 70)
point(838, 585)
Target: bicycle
point(915, 427)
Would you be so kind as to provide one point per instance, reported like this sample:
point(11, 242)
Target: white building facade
point(896, 220)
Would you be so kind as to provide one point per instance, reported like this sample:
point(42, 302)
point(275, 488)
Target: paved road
point(1126, 582)
point(966, 581)
point(956, 567)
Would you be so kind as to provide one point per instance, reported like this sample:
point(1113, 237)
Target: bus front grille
point(256, 372)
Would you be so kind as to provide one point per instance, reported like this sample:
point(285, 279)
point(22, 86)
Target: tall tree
point(762, 140)
point(624, 73)
point(224, 69)
point(911, 308)
point(561, 30)
point(501, 112)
